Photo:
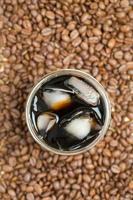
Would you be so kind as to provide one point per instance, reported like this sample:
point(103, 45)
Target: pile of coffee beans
point(41, 36)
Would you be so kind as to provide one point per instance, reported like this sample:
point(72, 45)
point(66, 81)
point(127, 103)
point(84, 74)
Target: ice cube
point(79, 127)
point(57, 98)
point(46, 121)
point(80, 124)
point(83, 90)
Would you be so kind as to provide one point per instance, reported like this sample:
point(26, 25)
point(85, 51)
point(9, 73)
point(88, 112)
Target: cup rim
point(95, 84)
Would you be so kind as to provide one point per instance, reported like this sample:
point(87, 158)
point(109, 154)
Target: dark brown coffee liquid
point(59, 134)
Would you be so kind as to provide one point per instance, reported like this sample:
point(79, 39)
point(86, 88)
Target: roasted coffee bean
point(39, 37)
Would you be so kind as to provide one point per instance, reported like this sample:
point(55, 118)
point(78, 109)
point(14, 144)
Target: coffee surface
point(64, 115)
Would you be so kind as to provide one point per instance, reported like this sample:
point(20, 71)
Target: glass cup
point(88, 78)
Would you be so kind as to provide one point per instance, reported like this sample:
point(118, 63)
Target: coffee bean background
point(41, 36)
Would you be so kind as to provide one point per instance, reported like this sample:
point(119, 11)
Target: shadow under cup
point(90, 80)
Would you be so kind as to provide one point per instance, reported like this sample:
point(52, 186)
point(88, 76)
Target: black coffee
point(67, 113)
